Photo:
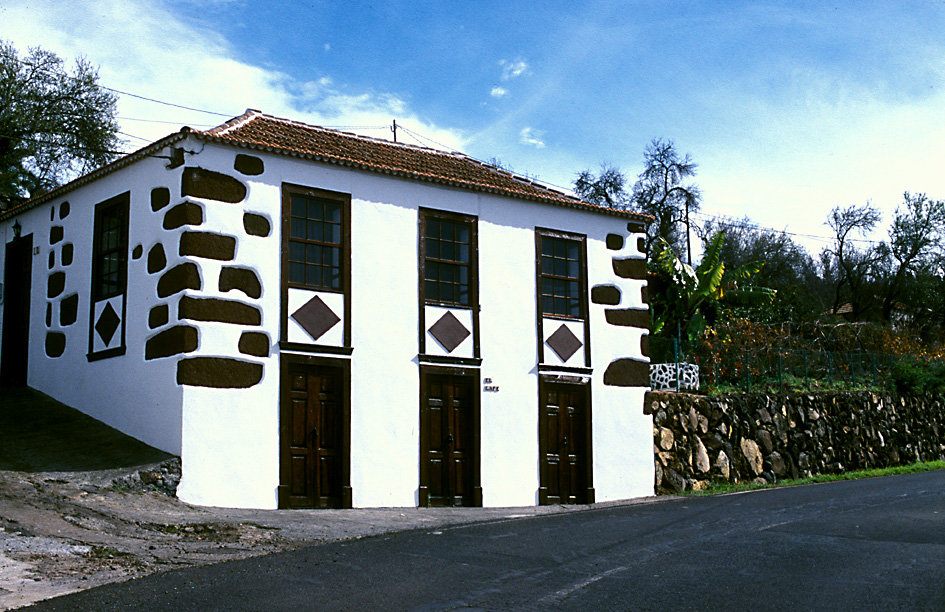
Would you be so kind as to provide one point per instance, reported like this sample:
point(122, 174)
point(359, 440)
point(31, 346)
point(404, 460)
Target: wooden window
point(448, 257)
point(316, 230)
point(561, 276)
point(110, 248)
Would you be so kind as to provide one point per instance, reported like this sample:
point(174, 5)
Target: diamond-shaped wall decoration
point(564, 342)
point(107, 324)
point(315, 317)
point(449, 332)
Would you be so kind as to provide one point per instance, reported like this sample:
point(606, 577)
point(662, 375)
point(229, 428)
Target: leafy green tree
point(803, 295)
point(685, 301)
point(914, 238)
point(54, 124)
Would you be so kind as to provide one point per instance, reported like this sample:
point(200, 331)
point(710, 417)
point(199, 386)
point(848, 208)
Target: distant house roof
point(257, 131)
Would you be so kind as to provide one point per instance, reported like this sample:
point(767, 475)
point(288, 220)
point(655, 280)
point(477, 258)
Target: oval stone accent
point(242, 279)
point(160, 197)
point(156, 258)
point(56, 284)
point(64, 209)
point(218, 372)
point(68, 310)
point(221, 311)
point(630, 268)
point(605, 294)
point(614, 242)
point(207, 245)
point(172, 341)
point(628, 317)
point(55, 234)
point(627, 372)
point(67, 253)
point(179, 278)
point(186, 213)
point(256, 225)
point(158, 316)
point(137, 252)
point(55, 344)
point(249, 165)
point(254, 343)
point(201, 183)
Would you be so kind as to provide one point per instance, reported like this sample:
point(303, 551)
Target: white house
point(311, 318)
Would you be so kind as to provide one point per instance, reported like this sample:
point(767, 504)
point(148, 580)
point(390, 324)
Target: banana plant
point(687, 299)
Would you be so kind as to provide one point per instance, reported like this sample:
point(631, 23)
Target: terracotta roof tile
point(256, 130)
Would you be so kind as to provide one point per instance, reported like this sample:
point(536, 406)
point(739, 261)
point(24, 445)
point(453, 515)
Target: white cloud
point(531, 137)
point(512, 69)
point(142, 48)
point(498, 92)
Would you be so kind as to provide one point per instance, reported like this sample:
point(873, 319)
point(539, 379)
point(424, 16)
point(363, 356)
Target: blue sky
point(790, 108)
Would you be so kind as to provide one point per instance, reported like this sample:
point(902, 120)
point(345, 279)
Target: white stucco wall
point(137, 397)
point(229, 438)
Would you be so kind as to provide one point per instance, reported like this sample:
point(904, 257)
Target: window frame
point(581, 239)
point(121, 203)
point(288, 190)
point(472, 223)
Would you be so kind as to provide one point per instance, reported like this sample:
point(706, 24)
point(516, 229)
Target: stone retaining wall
point(764, 438)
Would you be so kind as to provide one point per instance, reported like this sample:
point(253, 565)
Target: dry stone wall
point(755, 437)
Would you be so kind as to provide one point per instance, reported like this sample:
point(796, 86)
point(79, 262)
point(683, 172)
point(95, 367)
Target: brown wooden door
point(449, 441)
point(564, 444)
point(313, 440)
point(14, 352)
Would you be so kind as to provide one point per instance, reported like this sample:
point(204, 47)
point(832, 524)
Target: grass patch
point(725, 487)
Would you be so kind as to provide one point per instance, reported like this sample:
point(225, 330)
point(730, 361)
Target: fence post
point(676, 361)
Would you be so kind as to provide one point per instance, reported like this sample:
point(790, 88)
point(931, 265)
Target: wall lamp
point(17, 228)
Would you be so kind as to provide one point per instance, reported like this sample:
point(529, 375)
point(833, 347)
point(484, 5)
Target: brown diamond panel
point(449, 332)
point(315, 317)
point(107, 324)
point(564, 342)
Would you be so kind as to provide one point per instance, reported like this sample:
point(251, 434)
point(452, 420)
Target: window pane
point(297, 273)
point(573, 269)
point(313, 275)
point(314, 230)
point(447, 231)
point(463, 255)
point(298, 206)
point(561, 249)
point(296, 251)
point(334, 213)
point(561, 267)
point(433, 228)
point(462, 234)
point(335, 254)
point(547, 246)
point(547, 265)
point(335, 235)
point(335, 274)
point(298, 229)
point(572, 249)
point(431, 290)
point(316, 210)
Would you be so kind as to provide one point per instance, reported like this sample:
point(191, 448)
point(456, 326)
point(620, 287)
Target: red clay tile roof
point(258, 131)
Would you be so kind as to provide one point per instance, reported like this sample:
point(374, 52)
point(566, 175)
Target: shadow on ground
point(39, 434)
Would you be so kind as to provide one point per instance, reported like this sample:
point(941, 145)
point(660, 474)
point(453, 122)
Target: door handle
point(449, 439)
point(314, 433)
point(564, 442)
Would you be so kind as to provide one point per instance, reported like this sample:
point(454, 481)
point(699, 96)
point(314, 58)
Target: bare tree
point(54, 124)
point(605, 189)
point(664, 191)
point(852, 268)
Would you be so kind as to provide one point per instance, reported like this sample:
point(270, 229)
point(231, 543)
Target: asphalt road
point(876, 544)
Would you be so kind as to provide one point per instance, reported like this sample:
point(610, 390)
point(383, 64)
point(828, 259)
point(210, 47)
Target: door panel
point(564, 444)
point(14, 352)
point(313, 437)
point(449, 441)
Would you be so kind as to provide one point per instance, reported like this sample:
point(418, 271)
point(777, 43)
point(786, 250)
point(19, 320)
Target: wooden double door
point(315, 436)
point(565, 443)
point(449, 438)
